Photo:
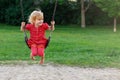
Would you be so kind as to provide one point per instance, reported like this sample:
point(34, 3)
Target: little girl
point(37, 30)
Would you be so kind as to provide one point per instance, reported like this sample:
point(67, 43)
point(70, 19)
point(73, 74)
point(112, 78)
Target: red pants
point(37, 50)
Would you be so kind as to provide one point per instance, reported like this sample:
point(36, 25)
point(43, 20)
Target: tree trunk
point(82, 14)
point(115, 23)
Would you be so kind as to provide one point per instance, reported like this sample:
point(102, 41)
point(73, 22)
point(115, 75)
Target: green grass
point(95, 46)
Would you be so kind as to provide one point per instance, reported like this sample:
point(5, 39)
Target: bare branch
point(89, 3)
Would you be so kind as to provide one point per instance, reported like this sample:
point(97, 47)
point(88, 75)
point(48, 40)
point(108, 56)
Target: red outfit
point(37, 38)
point(37, 50)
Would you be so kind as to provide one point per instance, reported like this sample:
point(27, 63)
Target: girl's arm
point(22, 26)
point(52, 27)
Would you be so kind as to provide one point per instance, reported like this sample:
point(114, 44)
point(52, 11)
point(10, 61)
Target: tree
point(83, 11)
point(112, 7)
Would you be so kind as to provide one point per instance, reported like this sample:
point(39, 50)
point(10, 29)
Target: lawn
point(96, 46)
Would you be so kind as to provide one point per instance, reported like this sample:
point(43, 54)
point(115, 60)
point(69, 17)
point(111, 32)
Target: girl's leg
point(42, 60)
point(41, 53)
point(31, 56)
point(33, 51)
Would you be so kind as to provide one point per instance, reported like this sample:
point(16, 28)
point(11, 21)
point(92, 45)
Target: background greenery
point(67, 12)
point(95, 46)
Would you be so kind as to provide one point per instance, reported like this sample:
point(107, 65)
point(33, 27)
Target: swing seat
point(46, 45)
point(26, 41)
point(48, 41)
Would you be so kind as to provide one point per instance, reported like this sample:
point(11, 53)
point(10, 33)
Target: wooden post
point(115, 22)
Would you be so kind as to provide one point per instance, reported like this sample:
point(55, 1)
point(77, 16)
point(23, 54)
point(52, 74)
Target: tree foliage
point(67, 12)
point(112, 7)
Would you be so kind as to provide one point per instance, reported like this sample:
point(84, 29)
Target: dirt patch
point(52, 72)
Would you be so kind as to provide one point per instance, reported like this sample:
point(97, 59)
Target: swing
point(25, 34)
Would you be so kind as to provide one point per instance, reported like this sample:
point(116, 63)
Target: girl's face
point(38, 21)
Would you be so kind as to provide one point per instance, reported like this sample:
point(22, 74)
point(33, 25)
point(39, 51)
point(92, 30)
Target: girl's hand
point(22, 24)
point(52, 22)
point(52, 26)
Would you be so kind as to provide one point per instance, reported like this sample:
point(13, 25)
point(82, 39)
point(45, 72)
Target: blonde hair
point(35, 15)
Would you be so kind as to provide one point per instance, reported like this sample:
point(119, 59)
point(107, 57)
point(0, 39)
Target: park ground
point(92, 53)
